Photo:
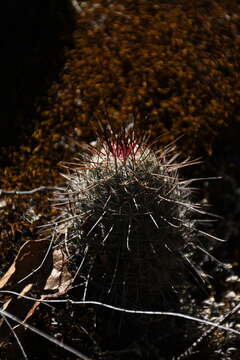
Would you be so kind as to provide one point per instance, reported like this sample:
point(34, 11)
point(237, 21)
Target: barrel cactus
point(127, 222)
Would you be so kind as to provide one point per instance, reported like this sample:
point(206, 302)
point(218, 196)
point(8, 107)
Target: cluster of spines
point(127, 221)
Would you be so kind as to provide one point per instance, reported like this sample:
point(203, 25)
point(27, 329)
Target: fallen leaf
point(39, 269)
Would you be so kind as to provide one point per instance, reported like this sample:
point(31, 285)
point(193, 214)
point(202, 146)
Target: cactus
point(127, 222)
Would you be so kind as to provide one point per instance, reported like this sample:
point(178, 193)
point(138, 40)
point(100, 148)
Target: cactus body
point(127, 222)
